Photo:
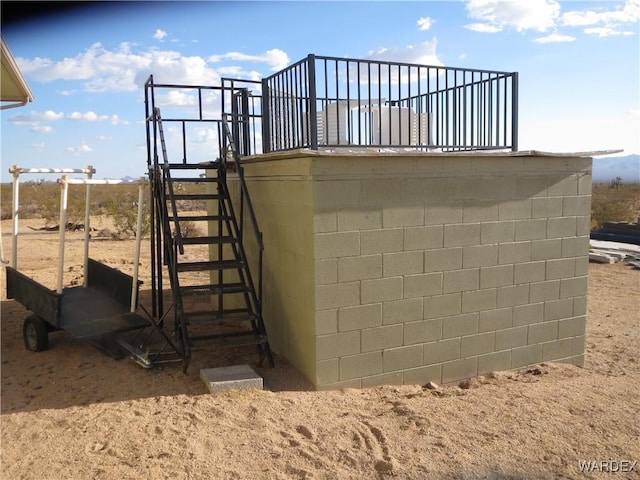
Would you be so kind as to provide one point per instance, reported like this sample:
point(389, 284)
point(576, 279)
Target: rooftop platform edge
point(390, 153)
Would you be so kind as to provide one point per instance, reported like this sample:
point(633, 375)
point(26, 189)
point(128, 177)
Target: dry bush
point(614, 202)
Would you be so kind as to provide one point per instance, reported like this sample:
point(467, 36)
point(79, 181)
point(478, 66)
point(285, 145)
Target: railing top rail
point(407, 64)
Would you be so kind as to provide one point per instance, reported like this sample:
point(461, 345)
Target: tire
point(35, 333)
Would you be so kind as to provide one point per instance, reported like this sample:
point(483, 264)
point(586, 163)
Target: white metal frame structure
point(64, 181)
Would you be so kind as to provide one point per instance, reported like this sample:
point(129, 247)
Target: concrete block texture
point(402, 311)
point(380, 338)
point(381, 290)
point(461, 280)
point(444, 259)
point(401, 358)
point(337, 345)
point(359, 268)
point(479, 300)
point(546, 207)
point(359, 219)
point(461, 234)
point(459, 370)
point(402, 263)
point(442, 305)
point(402, 216)
point(560, 268)
point(511, 338)
point(499, 276)
point(515, 209)
point(359, 317)
point(441, 351)
point(327, 371)
point(382, 241)
point(479, 256)
point(423, 238)
point(556, 350)
point(338, 244)
point(498, 319)
point(479, 344)
point(459, 325)
point(528, 272)
point(573, 206)
point(542, 332)
point(534, 229)
point(362, 365)
point(422, 285)
point(525, 356)
point(427, 269)
point(422, 331)
point(572, 327)
point(337, 295)
point(497, 232)
point(494, 362)
point(561, 227)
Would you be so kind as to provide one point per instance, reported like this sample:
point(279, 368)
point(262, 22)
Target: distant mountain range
point(607, 168)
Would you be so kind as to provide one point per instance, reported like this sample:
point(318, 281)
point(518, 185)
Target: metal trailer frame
point(104, 306)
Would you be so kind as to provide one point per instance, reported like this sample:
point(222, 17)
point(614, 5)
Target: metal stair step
point(239, 339)
point(200, 218)
point(209, 265)
point(197, 196)
point(202, 318)
point(192, 290)
point(208, 240)
point(192, 166)
point(196, 179)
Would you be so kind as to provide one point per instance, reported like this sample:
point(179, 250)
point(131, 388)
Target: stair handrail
point(167, 177)
point(228, 146)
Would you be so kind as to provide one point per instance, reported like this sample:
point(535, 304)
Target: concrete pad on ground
point(233, 377)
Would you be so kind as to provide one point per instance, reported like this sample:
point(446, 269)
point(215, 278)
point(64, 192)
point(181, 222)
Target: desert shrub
point(189, 229)
point(123, 208)
point(614, 202)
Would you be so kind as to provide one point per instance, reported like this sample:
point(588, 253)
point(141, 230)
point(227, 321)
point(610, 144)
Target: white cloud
point(160, 34)
point(120, 70)
point(83, 148)
point(42, 129)
point(39, 145)
point(537, 15)
point(421, 54)
point(555, 38)
point(483, 28)
point(605, 31)
point(424, 23)
point(275, 58)
point(628, 13)
point(87, 117)
point(34, 118)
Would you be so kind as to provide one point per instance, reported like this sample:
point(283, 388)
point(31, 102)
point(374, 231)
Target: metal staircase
point(199, 246)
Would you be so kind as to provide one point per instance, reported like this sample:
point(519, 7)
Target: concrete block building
point(404, 269)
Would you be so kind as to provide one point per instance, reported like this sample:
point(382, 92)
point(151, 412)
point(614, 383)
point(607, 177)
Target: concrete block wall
point(431, 267)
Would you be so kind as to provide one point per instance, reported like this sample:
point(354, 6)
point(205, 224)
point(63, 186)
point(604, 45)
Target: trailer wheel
point(35, 333)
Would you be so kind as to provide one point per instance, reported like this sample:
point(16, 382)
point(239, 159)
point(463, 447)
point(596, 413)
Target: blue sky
point(578, 64)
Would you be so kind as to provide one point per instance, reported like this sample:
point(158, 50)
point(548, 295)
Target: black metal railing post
point(266, 117)
point(313, 104)
point(514, 111)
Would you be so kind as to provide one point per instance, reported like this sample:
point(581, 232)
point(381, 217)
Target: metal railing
point(329, 102)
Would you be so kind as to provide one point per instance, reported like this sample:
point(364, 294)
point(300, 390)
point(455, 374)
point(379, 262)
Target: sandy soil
point(72, 412)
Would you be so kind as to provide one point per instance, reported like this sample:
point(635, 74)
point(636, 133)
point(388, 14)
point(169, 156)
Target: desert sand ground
point(72, 412)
